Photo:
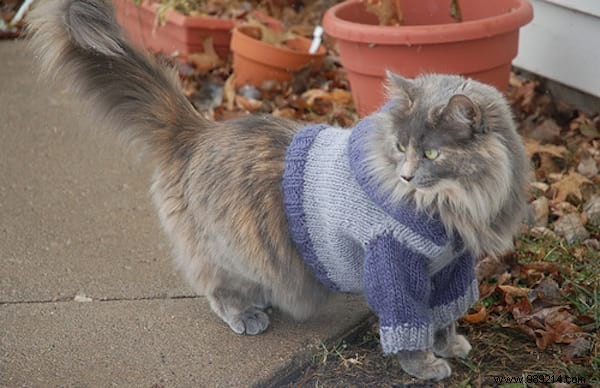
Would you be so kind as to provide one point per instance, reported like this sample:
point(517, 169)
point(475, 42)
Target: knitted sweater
point(355, 240)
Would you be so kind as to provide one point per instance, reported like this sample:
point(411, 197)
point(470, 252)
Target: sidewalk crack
point(117, 299)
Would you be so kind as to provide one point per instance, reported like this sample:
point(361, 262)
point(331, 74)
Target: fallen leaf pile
point(298, 16)
point(564, 146)
point(269, 34)
point(226, 9)
point(549, 288)
point(534, 298)
point(390, 12)
point(322, 97)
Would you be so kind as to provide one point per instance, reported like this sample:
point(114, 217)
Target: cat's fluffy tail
point(80, 43)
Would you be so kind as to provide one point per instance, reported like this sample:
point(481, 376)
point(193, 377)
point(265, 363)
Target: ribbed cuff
point(406, 338)
point(400, 338)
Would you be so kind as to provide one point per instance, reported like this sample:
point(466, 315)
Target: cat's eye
point(400, 147)
point(432, 154)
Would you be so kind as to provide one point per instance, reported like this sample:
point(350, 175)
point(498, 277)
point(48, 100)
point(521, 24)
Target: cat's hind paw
point(459, 347)
point(425, 366)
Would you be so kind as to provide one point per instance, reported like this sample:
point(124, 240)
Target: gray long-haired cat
point(439, 173)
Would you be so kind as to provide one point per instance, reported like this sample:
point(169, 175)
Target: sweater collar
point(429, 226)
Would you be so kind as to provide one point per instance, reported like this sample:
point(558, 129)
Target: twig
point(21, 12)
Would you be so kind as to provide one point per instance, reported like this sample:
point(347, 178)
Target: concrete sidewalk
point(77, 224)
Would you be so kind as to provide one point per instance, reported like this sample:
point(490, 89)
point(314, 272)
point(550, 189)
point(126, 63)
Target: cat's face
point(450, 145)
point(436, 134)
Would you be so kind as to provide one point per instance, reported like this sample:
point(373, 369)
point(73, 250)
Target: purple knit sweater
point(356, 240)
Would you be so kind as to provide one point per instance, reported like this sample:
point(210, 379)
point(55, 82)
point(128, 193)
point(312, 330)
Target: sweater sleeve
point(397, 287)
point(453, 290)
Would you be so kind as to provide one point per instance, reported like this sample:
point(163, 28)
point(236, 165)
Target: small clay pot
point(481, 47)
point(180, 34)
point(255, 61)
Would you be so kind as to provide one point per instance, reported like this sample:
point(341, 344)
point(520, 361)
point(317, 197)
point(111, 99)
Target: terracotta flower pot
point(255, 61)
point(482, 46)
point(181, 34)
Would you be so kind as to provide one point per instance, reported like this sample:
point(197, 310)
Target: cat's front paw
point(250, 322)
point(458, 347)
point(425, 366)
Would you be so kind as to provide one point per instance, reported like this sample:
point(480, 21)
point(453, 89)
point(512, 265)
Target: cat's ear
point(400, 89)
point(463, 114)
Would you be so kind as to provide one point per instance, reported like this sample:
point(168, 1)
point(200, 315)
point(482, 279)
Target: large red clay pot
point(255, 61)
point(482, 46)
point(180, 34)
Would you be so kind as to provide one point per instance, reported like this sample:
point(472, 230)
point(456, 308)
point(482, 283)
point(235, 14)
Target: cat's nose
point(407, 177)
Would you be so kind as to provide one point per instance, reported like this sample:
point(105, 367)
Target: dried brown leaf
point(587, 167)
point(514, 291)
point(486, 289)
point(399, 11)
point(388, 12)
point(523, 94)
point(566, 331)
point(341, 96)
point(229, 92)
point(322, 107)
point(540, 186)
point(544, 338)
point(547, 293)
point(589, 130)
point(535, 147)
point(541, 211)
point(571, 227)
point(546, 132)
point(551, 314)
point(521, 327)
point(455, 11)
point(510, 292)
point(338, 96)
point(313, 94)
point(189, 86)
point(477, 317)
point(301, 78)
point(577, 348)
point(287, 113)
point(543, 232)
point(207, 60)
point(267, 33)
point(249, 104)
point(547, 325)
point(547, 166)
point(489, 266)
point(520, 309)
point(569, 185)
point(586, 126)
point(562, 208)
point(545, 267)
